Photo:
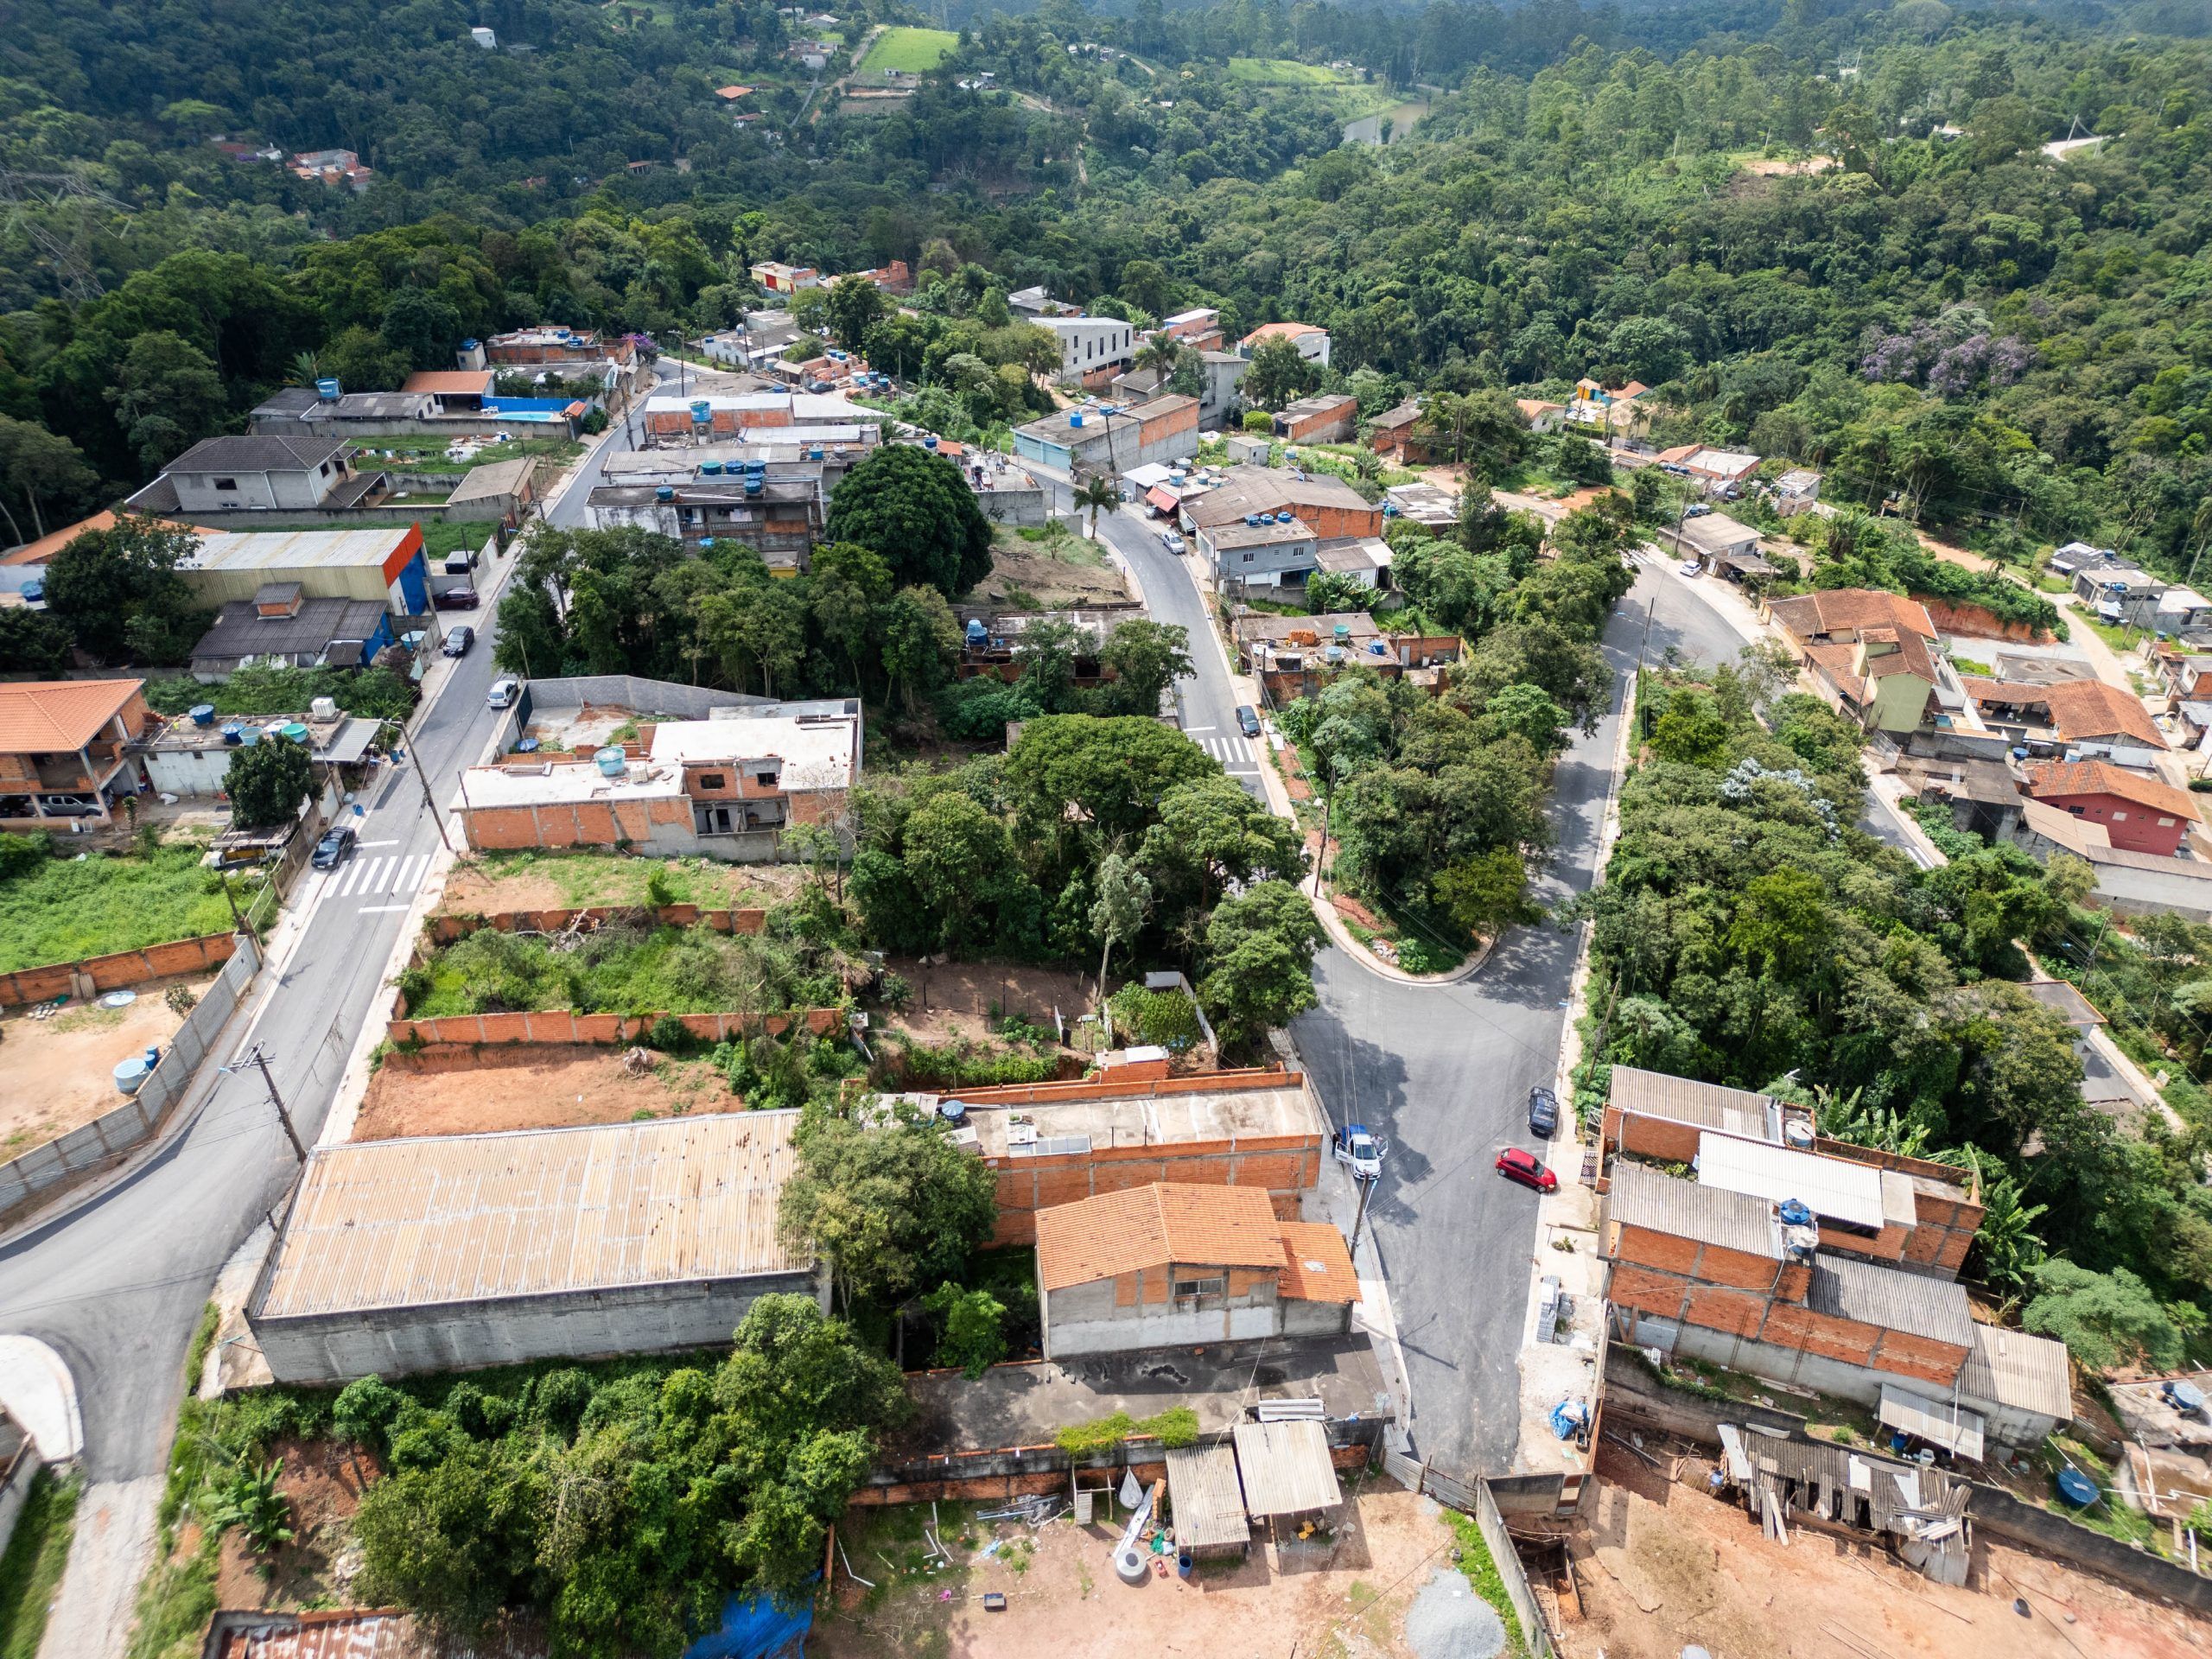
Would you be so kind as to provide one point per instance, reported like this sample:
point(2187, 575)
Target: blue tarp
point(755, 1630)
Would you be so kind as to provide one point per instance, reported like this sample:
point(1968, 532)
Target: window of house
point(1192, 1287)
point(226, 483)
point(2165, 823)
point(765, 779)
point(2120, 817)
point(324, 470)
point(1248, 558)
point(712, 780)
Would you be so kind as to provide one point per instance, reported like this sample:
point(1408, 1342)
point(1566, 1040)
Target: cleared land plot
point(428, 453)
point(535, 1089)
point(1029, 568)
point(491, 882)
point(912, 50)
point(1660, 1565)
point(66, 911)
point(1351, 97)
point(1343, 1596)
point(57, 1075)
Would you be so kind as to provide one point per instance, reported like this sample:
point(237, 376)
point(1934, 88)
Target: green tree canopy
point(915, 513)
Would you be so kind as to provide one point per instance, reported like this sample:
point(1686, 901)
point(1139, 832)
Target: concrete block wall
point(106, 1138)
point(471, 1336)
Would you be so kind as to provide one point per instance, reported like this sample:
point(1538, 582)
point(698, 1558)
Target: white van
point(503, 693)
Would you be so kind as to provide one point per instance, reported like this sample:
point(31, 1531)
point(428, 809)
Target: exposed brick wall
point(561, 1026)
point(445, 929)
point(1650, 1137)
point(1663, 1250)
point(116, 972)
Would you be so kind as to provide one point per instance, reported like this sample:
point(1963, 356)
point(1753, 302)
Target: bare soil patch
point(550, 1088)
point(956, 999)
point(579, 880)
point(1767, 167)
point(1661, 1565)
point(1343, 1596)
point(1068, 573)
point(58, 1074)
point(324, 1485)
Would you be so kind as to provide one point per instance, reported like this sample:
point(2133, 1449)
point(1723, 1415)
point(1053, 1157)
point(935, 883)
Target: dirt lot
point(535, 1089)
point(324, 1486)
point(955, 1000)
point(57, 1075)
point(1070, 572)
point(1346, 1597)
point(1662, 1565)
point(577, 881)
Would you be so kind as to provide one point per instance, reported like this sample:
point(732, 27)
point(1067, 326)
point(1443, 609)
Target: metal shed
point(1207, 1501)
point(1285, 1469)
point(1953, 1427)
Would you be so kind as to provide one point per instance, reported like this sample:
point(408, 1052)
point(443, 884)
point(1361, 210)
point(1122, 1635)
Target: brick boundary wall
point(563, 1027)
point(446, 928)
point(117, 972)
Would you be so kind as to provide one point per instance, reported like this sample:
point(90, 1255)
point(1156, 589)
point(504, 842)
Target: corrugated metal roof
point(1684, 1100)
point(296, 550)
point(1828, 1186)
point(536, 1212)
point(1953, 1427)
point(1286, 1468)
point(1207, 1501)
point(1892, 1299)
point(2011, 1368)
point(1642, 1196)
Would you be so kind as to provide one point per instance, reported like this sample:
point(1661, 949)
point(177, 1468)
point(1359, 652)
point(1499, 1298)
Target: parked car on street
point(1358, 1151)
point(1172, 541)
point(1526, 1169)
point(456, 599)
point(1543, 1113)
point(459, 640)
point(1696, 512)
point(1248, 722)
point(1689, 567)
point(334, 848)
point(503, 691)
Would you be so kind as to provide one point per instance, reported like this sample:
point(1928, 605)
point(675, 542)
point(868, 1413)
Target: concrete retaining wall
point(115, 972)
point(1013, 506)
point(470, 1336)
point(15, 1489)
point(105, 1140)
point(1525, 1613)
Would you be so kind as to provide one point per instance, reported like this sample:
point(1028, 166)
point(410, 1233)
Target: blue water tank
point(755, 484)
point(702, 412)
point(328, 391)
point(664, 493)
point(233, 733)
point(612, 762)
point(930, 442)
point(710, 468)
point(34, 591)
point(1284, 517)
point(1074, 417)
point(977, 634)
point(203, 714)
point(1253, 520)
point(815, 454)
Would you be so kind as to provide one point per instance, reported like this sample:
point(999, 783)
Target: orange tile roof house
point(62, 749)
point(1312, 343)
point(1168, 1265)
point(2087, 718)
point(2141, 814)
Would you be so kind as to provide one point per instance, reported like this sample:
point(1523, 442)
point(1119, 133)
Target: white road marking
point(376, 843)
point(380, 910)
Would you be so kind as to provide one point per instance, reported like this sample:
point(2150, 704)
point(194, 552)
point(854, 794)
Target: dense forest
point(2014, 346)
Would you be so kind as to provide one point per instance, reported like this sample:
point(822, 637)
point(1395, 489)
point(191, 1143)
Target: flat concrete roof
point(441, 1220)
point(817, 752)
point(1136, 1120)
point(1027, 1405)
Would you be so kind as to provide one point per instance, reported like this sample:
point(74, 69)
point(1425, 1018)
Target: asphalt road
point(1442, 1073)
point(116, 1287)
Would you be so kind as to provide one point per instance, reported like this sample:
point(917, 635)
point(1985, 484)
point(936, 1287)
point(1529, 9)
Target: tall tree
point(915, 513)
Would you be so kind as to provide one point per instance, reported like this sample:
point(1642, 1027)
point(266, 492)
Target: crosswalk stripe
point(417, 867)
point(348, 880)
point(368, 882)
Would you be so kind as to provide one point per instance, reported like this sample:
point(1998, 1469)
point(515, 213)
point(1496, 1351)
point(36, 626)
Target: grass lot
point(65, 910)
point(31, 1570)
point(579, 881)
point(1351, 98)
point(914, 50)
point(428, 453)
point(616, 970)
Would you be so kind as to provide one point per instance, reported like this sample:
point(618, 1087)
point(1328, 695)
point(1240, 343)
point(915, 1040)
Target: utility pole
point(260, 1060)
point(1359, 1220)
point(423, 776)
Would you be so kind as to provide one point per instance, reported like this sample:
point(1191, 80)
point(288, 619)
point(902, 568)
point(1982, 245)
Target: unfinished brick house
point(1055, 1143)
point(1833, 1268)
point(725, 787)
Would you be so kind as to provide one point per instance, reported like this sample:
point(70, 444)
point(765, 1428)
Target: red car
point(1526, 1169)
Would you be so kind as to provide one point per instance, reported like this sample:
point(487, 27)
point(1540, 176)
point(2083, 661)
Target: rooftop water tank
point(1074, 417)
point(232, 732)
point(952, 1111)
point(291, 728)
point(663, 493)
point(1284, 517)
point(1798, 1134)
point(248, 736)
point(976, 631)
point(1794, 1213)
point(815, 454)
point(203, 714)
point(324, 709)
point(701, 411)
point(1333, 654)
point(1389, 509)
point(1343, 632)
point(611, 762)
point(756, 483)
point(930, 442)
point(1253, 520)
point(710, 468)
point(328, 391)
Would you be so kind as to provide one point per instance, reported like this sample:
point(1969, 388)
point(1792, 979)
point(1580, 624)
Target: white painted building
point(1090, 344)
